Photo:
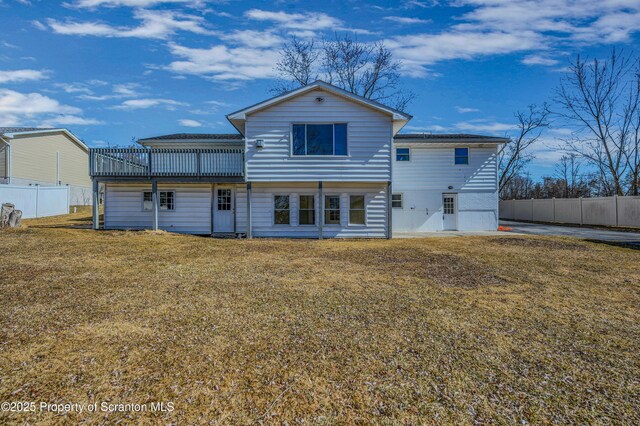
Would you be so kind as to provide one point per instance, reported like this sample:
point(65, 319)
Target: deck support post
point(321, 210)
point(389, 211)
point(156, 203)
point(96, 204)
point(249, 230)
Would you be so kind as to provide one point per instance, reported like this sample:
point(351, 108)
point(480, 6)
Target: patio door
point(224, 210)
point(450, 212)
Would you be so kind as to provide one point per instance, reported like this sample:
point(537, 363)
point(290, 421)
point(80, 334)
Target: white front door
point(450, 212)
point(223, 210)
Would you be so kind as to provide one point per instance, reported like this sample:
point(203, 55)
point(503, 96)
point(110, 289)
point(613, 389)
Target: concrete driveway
point(570, 231)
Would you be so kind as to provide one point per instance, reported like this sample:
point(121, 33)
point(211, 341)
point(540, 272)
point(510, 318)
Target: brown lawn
point(443, 330)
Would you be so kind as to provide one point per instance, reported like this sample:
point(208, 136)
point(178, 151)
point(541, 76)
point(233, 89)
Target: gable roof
point(11, 132)
point(447, 138)
point(237, 118)
point(221, 138)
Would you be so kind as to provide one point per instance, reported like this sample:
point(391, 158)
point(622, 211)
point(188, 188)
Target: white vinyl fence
point(36, 200)
point(607, 211)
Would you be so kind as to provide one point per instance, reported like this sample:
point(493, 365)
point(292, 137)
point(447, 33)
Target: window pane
point(298, 139)
point(396, 200)
point(356, 217)
point(356, 202)
point(319, 139)
point(341, 139)
point(281, 202)
point(307, 217)
point(166, 200)
point(281, 217)
point(402, 154)
point(332, 210)
point(147, 201)
point(461, 155)
point(306, 202)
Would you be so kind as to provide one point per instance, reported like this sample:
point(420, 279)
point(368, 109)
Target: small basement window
point(396, 201)
point(167, 200)
point(462, 156)
point(403, 154)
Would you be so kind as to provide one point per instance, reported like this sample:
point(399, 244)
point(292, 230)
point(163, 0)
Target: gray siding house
point(317, 162)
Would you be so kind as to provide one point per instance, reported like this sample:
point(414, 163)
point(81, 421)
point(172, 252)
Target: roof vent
point(319, 99)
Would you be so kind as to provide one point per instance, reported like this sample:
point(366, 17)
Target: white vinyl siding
point(262, 212)
point(192, 213)
point(368, 142)
point(432, 172)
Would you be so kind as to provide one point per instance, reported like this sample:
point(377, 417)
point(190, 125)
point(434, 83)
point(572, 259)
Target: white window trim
point(159, 209)
point(324, 204)
point(364, 199)
point(291, 154)
point(401, 200)
point(315, 210)
point(395, 154)
point(273, 210)
point(468, 156)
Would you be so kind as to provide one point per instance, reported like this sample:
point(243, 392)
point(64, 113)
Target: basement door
point(224, 210)
point(450, 212)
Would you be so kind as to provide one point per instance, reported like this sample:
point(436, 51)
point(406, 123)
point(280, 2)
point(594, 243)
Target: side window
point(281, 213)
point(356, 210)
point(403, 154)
point(147, 201)
point(396, 201)
point(462, 156)
point(332, 210)
point(166, 200)
point(307, 214)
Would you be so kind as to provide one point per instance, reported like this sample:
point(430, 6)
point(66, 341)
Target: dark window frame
point(333, 154)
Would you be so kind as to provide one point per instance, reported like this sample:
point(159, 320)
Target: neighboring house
point(317, 162)
point(46, 157)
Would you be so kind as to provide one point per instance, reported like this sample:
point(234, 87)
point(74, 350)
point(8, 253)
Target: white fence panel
point(543, 210)
point(606, 211)
point(36, 201)
point(629, 211)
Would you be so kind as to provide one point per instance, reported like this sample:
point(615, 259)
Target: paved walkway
point(571, 231)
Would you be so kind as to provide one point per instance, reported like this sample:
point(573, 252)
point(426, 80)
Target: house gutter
point(7, 158)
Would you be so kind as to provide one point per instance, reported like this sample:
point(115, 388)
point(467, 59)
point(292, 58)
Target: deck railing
point(154, 162)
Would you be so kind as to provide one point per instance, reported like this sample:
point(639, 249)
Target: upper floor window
point(319, 139)
point(462, 156)
point(403, 154)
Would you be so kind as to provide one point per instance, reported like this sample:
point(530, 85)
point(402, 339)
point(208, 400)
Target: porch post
point(321, 210)
point(389, 211)
point(96, 204)
point(249, 231)
point(156, 203)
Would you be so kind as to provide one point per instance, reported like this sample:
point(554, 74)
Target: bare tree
point(568, 173)
point(601, 99)
point(365, 69)
point(514, 156)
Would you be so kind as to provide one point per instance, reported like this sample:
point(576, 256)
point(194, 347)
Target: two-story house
point(317, 162)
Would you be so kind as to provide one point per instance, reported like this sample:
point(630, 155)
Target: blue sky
point(113, 70)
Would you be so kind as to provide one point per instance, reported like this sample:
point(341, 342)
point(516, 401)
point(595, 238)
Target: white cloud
point(189, 123)
point(492, 27)
point(484, 126)
point(14, 76)
point(539, 60)
point(31, 108)
point(39, 25)
point(155, 24)
point(65, 120)
point(297, 21)
point(406, 20)
point(224, 63)
point(464, 110)
point(118, 91)
point(133, 104)
point(260, 39)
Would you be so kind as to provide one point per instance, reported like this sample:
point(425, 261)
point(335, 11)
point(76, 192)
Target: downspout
point(7, 158)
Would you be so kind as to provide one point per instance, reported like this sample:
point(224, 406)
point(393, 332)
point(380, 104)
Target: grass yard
point(466, 330)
